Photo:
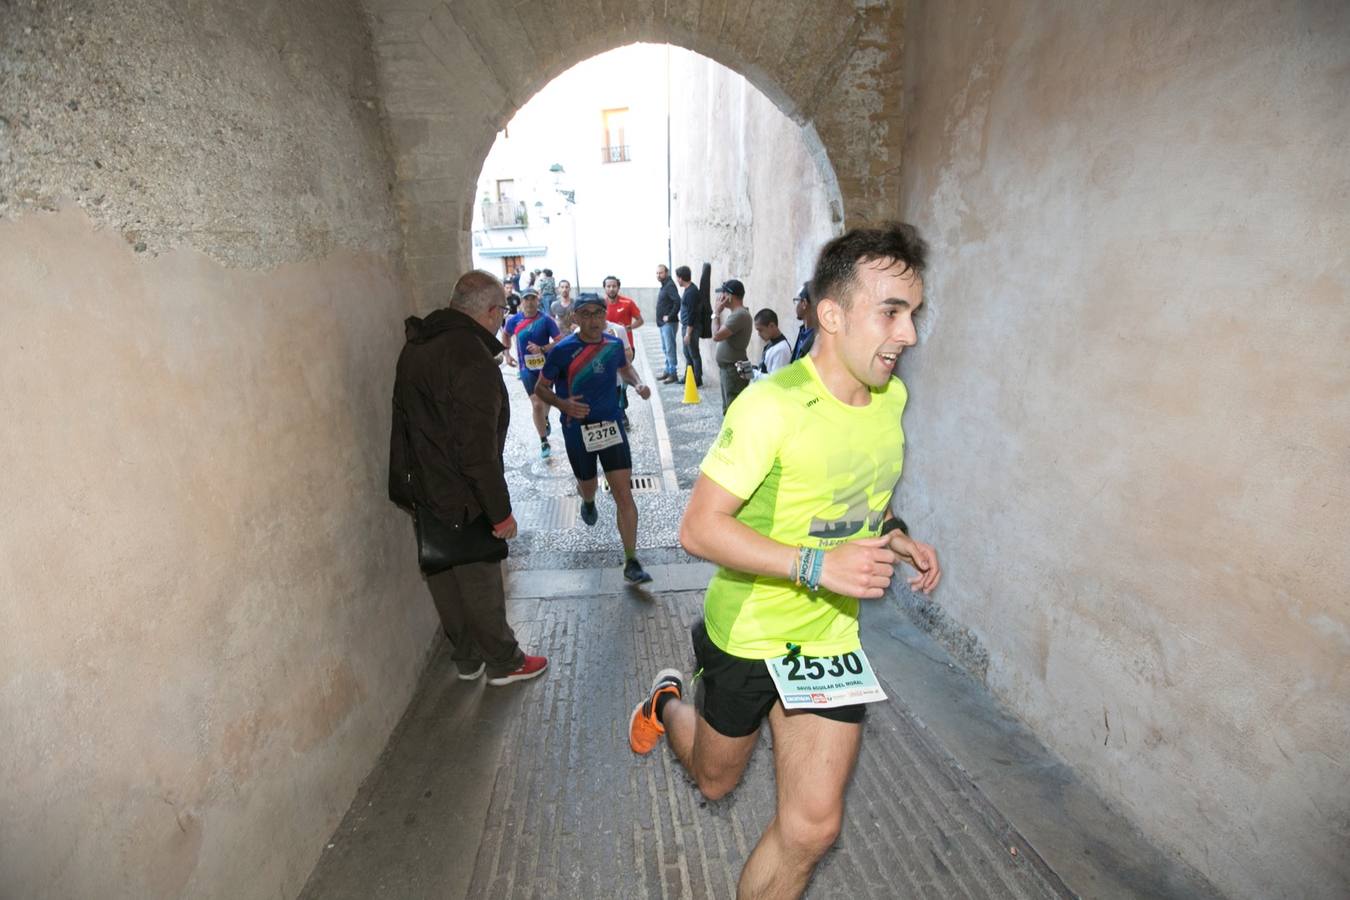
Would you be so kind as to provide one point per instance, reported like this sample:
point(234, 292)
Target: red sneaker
point(532, 667)
point(644, 728)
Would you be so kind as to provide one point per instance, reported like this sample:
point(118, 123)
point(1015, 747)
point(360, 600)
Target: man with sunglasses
point(579, 377)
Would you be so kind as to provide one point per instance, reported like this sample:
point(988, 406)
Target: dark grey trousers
point(732, 384)
point(471, 601)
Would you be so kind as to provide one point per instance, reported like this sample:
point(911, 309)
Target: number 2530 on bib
point(816, 682)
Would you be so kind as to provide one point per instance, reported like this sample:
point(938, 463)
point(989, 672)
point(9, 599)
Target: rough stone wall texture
point(452, 72)
point(1130, 410)
point(242, 128)
point(211, 614)
point(751, 194)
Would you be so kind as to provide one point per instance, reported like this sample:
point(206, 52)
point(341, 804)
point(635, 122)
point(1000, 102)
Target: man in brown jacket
point(451, 414)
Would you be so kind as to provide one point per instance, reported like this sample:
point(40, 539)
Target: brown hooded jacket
point(451, 413)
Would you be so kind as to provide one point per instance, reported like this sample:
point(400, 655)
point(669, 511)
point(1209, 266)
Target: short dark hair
point(683, 273)
point(837, 266)
point(617, 282)
point(548, 272)
point(766, 316)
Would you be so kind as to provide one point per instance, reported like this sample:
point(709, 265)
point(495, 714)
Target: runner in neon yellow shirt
point(803, 486)
point(793, 505)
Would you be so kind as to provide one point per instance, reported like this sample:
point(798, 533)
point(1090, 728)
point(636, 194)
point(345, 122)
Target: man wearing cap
point(579, 377)
point(806, 314)
point(731, 332)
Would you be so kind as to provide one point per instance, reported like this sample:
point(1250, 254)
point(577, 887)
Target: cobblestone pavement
point(531, 790)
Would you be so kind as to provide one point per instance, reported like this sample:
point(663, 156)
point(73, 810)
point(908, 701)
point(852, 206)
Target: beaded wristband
point(817, 565)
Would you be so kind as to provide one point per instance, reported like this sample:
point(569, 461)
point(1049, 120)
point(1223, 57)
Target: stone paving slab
point(563, 582)
point(530, 790)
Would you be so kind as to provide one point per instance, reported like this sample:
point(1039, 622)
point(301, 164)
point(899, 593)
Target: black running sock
point(661, 700)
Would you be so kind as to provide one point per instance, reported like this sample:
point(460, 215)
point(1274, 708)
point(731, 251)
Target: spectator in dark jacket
point(451, 414)
point(668, 322)
point(691, 321)
point(806, 312)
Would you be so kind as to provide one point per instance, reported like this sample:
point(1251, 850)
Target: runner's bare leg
point(716, 762)
point(621, 487)
point(587, 489)
point(540, 411)
point(813, 761)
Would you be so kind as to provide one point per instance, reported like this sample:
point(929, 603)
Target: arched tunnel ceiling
point(453, 73)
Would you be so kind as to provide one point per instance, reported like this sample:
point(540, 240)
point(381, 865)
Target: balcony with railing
point(616, 153)
point(505, 214)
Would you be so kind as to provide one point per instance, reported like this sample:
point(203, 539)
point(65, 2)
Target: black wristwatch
point(894, 523)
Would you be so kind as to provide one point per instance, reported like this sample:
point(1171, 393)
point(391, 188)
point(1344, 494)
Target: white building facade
point(649, 154)
point(579, 180)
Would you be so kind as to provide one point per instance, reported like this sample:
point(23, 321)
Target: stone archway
point(453, 72)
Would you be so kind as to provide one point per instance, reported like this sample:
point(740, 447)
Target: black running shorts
point(611, 459)
point(738, 693)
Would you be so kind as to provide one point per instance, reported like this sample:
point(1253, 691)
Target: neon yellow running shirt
point(813, 471)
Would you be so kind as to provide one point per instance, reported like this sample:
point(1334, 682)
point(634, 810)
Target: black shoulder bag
point(440, 544)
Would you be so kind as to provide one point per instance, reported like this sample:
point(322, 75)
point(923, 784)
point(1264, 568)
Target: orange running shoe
point(645, 729)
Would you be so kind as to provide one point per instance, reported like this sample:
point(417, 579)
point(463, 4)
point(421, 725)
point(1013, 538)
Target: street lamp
point(570, 198)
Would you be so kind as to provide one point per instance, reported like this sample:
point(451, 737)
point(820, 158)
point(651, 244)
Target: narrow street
point(531, 790)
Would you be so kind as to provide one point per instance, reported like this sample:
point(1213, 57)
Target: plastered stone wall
point(452, 72)
point(1130, 414)
point(753, 194)
point(210, 615)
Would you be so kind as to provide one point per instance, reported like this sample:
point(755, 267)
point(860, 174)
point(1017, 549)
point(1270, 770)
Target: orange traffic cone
point(690, 387)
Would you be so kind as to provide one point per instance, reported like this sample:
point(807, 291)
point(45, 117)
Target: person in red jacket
point(451, 414)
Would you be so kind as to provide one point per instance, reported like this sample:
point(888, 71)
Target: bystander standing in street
point(777, 350)
point(691, 311)
point(806, 314)
point(450, 420)
point(668, 321)
point(731, 333)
